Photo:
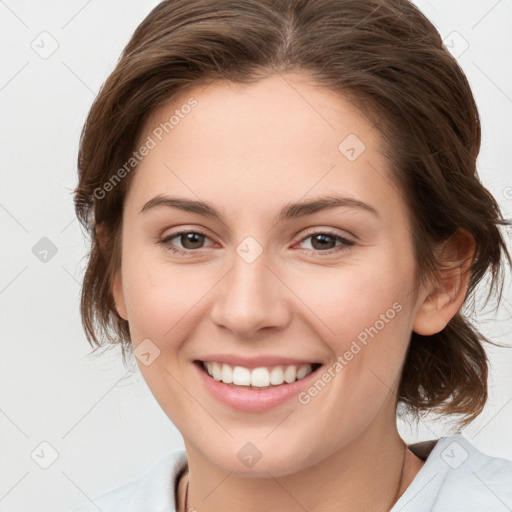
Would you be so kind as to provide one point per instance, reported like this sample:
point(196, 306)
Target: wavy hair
point(386, 58)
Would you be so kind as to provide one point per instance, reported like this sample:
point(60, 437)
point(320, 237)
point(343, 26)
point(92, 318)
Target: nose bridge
point(249, 298)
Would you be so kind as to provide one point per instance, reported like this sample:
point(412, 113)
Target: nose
point(250, 298)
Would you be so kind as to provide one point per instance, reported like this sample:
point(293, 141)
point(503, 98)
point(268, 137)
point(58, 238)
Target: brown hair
point(383, 55)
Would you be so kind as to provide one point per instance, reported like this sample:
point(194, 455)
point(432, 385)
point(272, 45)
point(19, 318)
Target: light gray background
point(105, 428)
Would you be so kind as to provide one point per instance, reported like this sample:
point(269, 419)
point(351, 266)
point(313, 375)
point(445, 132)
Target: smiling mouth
point(264, 377)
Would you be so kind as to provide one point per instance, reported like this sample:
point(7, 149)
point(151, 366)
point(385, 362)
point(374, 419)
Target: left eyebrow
point(289, 211)
point(302, 208)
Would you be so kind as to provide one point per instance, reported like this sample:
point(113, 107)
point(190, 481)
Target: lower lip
point(251, 399)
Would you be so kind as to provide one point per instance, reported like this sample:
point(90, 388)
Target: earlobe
point(440, 305)
point(446, 294)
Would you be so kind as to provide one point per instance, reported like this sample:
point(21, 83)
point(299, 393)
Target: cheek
point(162, 298)
point(352, 299)
point(364, 315)
point(368, 315)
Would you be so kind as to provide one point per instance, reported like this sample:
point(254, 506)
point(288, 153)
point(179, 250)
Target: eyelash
point(345, 242)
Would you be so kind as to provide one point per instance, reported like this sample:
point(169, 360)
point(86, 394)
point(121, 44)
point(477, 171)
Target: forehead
point(291, 105)
point(283, 135)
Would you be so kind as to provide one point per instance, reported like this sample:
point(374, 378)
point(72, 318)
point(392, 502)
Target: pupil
point(322, 245)
point(189, 238)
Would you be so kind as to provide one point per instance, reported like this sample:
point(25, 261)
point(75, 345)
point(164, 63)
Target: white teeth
point(241, 376)
point(303, 371)
point(216, 371)
point(290, 374)
point(277, 375)
point(226, 374)
point(258, 377)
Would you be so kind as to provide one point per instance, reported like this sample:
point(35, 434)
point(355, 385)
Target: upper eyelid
point(309, 233)
point(185, 231)
point(170, 236)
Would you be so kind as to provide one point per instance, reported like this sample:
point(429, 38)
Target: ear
point(445, 294)
point(117, 292)
point(117, 285)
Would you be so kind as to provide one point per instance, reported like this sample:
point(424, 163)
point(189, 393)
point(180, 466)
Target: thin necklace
point(394, 499)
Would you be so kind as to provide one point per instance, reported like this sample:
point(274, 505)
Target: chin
point(252, 460)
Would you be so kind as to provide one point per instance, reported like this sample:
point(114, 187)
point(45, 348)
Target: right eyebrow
point(289, 211)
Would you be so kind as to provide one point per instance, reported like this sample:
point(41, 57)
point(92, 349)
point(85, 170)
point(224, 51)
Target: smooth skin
point(249, 150)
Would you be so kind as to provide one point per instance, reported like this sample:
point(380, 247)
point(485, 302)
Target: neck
point(372, 472)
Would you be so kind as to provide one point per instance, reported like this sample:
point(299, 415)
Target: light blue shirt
point(456, 477)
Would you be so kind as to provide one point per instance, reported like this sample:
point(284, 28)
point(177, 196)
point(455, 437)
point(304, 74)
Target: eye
point(322, 242)
point(190, 240)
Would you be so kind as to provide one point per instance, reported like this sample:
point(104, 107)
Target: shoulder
point(484, 482)
point(458, 476)
point(153, 490)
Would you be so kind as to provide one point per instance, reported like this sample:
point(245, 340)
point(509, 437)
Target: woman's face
point(264, 279)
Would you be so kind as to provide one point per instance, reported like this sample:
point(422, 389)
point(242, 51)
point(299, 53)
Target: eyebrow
point(289, 211)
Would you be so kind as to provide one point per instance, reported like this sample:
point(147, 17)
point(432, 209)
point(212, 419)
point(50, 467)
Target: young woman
point(286, 223)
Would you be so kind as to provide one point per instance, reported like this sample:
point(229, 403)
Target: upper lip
point(255, 362)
